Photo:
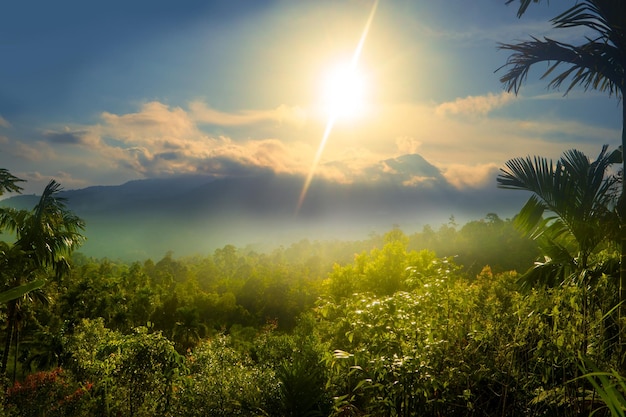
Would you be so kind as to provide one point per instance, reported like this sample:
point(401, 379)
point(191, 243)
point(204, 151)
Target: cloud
point(407, 144)
point(67, 137)
point(464, 176)
point(154, 124)
point(159, 140)
point(36, 152)
point(201, 113)
point(475, 105)
point(67, 180)
point(418, 180)
point(4, 122)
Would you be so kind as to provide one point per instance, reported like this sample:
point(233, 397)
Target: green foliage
point(577, 197)
point(491, 241)
point(135, 374)
point(299, 363)
point(398, 331)
point(225, 382)
point(610, 386)
point(452, 346)
point(381, 271)
point(20, 291)
point(8, 182)
point(45, 237)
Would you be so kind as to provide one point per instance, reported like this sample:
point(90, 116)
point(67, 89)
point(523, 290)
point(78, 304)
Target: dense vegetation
point(457, 321)
point(377, 327)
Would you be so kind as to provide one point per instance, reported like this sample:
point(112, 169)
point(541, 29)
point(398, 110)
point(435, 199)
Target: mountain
point(197, 214)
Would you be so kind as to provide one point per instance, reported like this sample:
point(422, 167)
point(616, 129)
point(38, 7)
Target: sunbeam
point(333, 116)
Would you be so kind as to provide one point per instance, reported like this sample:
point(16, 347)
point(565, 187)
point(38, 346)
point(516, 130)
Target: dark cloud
point(65, 138)
point(168, 156)
point(229, 167)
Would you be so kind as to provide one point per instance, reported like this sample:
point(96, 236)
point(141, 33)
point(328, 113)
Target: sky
point(100, 93)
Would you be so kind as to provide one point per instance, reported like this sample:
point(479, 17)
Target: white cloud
point(417, 180)
point(159, 140)
point(464, 176)
point(154, 124)
point(475, 105)
point(202, 113)
point(407, 145)
point(67, 180)
point(36, 152)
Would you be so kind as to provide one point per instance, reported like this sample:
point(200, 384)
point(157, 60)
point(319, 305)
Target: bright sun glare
point(343, 94)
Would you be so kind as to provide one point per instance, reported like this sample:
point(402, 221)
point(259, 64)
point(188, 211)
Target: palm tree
point(8, 182)
point(188, 331)
point(599, 64)
point(45, 237)
point(578, 198)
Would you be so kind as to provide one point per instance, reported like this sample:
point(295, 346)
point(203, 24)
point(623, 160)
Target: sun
point(343, 93)
point(343, 97)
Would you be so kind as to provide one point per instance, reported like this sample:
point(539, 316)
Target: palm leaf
point(605, 17)
point(18, 292)
point(8, 182)
point(569, 213)
point(51, 232)
point(523, 5)
point(610, 386)
point(594, 65)
point(530, 216)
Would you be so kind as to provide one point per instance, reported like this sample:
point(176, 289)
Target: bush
point(48, 394)
point(133, 375)
point(226, 382)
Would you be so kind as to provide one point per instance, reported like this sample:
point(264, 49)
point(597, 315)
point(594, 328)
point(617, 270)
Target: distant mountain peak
point(197, 214)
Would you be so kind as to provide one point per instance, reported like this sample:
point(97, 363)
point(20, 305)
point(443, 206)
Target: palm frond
point(570, 212)
point(18, 292)
point(547, 273)
point(594, 65)
point(523, 5)
point(530, 216)
point(586, 14)
point(611, 386)
point(530, 174)
point(605, 17)
point(8, 182)
point(51, 231)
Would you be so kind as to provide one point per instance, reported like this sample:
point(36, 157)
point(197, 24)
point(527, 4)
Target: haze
point(104, 93)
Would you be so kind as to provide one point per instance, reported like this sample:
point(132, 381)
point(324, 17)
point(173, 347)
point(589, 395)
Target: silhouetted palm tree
point(599, 63)
point(577, 198)
point(45, 237)
point(8, 182)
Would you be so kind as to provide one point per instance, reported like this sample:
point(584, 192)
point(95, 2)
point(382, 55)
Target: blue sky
point(100, 93)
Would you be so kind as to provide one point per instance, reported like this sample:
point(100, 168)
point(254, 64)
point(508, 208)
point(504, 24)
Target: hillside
point(196, 214)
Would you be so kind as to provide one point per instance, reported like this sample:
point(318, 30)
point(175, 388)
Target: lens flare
point(338, 105)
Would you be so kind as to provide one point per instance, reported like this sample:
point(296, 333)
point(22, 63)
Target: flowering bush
point(49, 393)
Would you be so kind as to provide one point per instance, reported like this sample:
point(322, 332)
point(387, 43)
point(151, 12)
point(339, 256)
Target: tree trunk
point(16, 350)
point(621, 207)
point(9, 339)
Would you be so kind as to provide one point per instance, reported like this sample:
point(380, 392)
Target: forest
point(462, 320)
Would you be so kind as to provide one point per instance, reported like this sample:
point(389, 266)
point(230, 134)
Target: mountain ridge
point(195, 214)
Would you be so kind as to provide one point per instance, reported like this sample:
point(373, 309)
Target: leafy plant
point(135, 374)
